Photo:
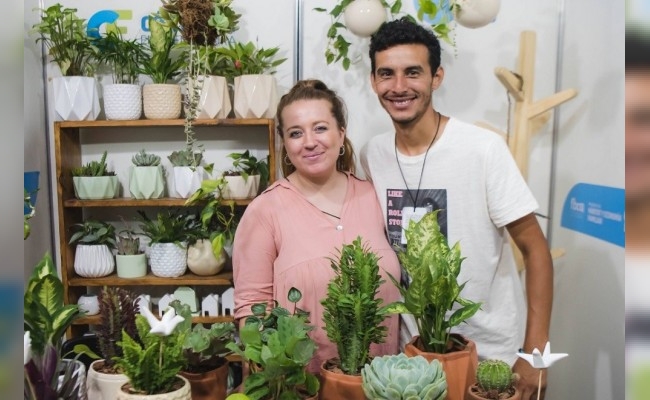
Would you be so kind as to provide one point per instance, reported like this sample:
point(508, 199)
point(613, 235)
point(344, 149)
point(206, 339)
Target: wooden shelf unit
point(68, 151)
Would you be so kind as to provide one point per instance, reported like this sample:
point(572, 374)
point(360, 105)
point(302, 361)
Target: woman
point(288, 233)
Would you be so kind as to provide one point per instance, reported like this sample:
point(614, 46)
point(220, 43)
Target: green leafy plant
point(127, 243)
point(338, 41)
point(277, 347)
point(246, 164)
point(160, 62)
point(152, 365)
point(65, 37)
point(123, 57)
point(205, 349)
point(201, 22)
point(92, 232)
point(144, 159)
point(117, 311)
point(433, 269)
point(399, 377)
point(170, 226)
point(247, 59)
point(94, 168)
point(352, 312)
point(494, 380)
point(46, 319)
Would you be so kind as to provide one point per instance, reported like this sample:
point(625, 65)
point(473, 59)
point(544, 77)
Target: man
point(432, 161)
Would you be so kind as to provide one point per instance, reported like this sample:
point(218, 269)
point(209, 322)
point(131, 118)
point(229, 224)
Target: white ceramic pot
point(95, 187)
point(237, 188)
point(184, 393)
point(201, 259)
point(256, 96)
point(89, 303)
point(168, 260)
point(93, 261)
point(123, 101)
point(102, 386)
point(214, 101)
point(187, 181)
point(76, 98)
point(146, 182)
point(161, 100)
point(476, 13)
point(364, 17)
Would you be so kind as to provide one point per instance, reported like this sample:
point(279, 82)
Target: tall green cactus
point(494, 375)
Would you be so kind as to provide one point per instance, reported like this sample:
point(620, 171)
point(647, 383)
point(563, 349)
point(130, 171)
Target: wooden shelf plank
point(223, 279)
point(131, 202)
point(163, 122)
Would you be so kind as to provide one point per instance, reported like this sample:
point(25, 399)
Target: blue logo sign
point(108, 17)
point(597, 211)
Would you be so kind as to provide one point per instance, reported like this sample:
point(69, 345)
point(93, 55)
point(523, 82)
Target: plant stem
point(160, 356)
point(539, 383)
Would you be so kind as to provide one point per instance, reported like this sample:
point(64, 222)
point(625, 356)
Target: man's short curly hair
point(637, 49)
point(405, 31)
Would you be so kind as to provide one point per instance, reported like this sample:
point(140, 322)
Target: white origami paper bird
point(164, 326)
point(27, 355)
point(542, 360)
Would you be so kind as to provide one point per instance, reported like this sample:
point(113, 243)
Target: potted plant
point(46, 319)
point(146, 180)
point(64, 35)
point(352, 313)
point(131, 262)
point(247, 177)
point(94, 181)
point(205, 350)
point(161, 100)
point(277, 348)
point(117, 310)
point(95, 240)
point(433, 298)
point(169, 234)
point(153, 363)
point(187, 171)
point(397, 377)
point(494, 380)
point(251, 68)
point(123, 97)
point(207, 255)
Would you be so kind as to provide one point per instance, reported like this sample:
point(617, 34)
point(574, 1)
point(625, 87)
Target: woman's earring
point(287, 161)
point(342, 151)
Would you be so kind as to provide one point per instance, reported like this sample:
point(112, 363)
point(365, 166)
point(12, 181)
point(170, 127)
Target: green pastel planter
point(95, 187)
point(146, 182)
point(131, 266)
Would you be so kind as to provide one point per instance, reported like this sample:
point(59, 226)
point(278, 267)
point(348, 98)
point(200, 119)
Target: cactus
point(144, 159)
point(397, 377)
point(494, 375)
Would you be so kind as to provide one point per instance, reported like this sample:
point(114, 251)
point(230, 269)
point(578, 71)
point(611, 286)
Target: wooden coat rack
point(529, 115)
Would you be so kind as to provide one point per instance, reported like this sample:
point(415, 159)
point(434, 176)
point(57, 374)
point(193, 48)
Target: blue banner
point(597, 211)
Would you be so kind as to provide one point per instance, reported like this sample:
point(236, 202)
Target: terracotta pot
point(459, 365)
point(337, 386)
point(211, 385)
point(473, 394)
point(183, 393)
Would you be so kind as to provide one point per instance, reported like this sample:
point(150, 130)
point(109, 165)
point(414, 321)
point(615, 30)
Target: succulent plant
point(494, 377)
point(94, 168)
point(128, 244)
point(144, 159)
point(184, 158)
point(396, 377)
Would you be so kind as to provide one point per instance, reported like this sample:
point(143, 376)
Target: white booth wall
point(587, 318)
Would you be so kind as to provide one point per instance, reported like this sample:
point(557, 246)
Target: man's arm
point(529, 238)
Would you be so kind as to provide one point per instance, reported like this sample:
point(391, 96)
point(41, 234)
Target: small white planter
point(201, 259)
point(161, 100)
point(79, 375)
point(184, 393)
point(93, 261)
point(76, 98)
point(89, 303)
point(214, 101)
point(95, 187)
point(187, 181)
point(256, 96)
point(123, 101)
point(146, 182)
point(102, 386)
point(168, 260)
point(237, 188)
point(131, 266)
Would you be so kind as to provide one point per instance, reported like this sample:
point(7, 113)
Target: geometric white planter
point(146, 182)
point(93, 261)
point(214, 101)
point(256, 96)
point(186, 181)
point(95, 187)
point(237, 188)
point(123, 101)
point(76, 98)
point(161, 100)
point(168, 260)
point(476, 13)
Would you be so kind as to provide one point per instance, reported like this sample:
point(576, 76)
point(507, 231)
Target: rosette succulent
point(397, 377)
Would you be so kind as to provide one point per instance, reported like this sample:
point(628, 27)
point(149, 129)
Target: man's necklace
point(417, 193)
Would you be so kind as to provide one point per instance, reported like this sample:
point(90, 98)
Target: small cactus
point(144, 159)
point(494, 375)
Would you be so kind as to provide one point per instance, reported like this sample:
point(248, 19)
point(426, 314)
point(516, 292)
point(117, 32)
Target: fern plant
point(152, 365)
point(352, 312)
point(117, 311)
